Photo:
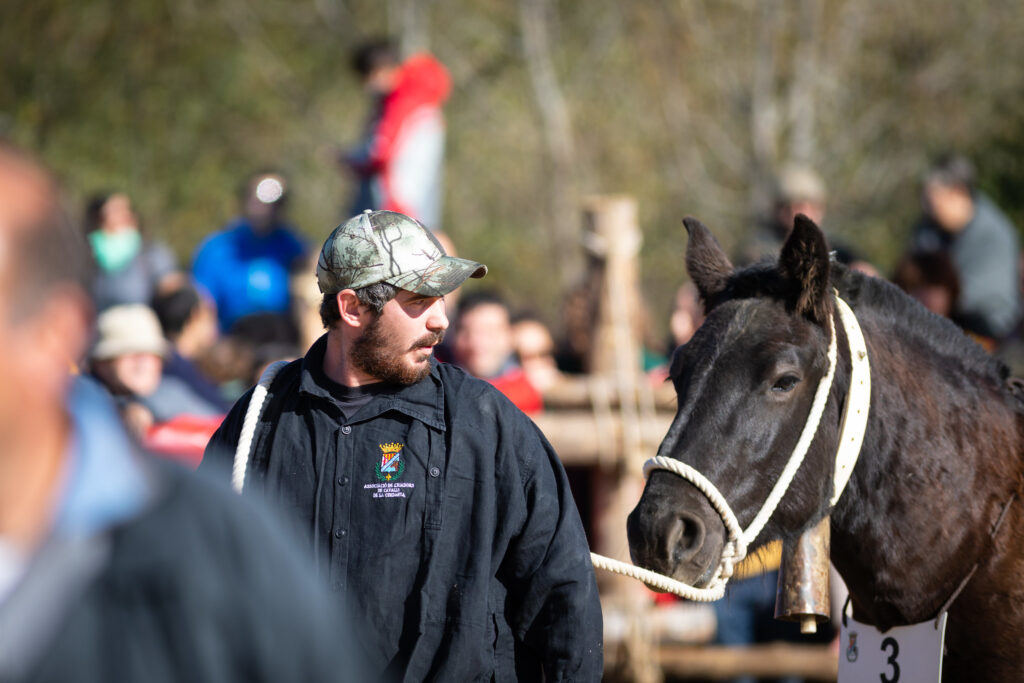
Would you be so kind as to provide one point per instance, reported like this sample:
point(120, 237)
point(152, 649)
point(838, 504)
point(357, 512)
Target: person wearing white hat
point(129, 349)
point(128, 358)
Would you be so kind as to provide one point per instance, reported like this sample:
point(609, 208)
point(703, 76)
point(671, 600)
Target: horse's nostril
point(685, 538)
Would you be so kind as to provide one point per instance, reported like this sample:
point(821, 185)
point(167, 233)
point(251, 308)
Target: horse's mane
point(888, 302)
point(937, 334)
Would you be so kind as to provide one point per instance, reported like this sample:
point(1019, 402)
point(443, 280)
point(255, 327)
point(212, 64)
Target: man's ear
point(352, 312)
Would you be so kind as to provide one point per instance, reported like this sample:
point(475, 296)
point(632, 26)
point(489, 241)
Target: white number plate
point(908, 654)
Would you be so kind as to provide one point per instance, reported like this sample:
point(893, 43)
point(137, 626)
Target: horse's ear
point(707, 264)
point(804, 262)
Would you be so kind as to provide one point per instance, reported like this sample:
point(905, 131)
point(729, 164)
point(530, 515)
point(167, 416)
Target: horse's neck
point(937, 453)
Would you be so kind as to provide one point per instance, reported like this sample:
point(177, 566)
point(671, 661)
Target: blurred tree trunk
point(406, 25)
point(801, 105)
point(783, 117)
point(764, 107)
point(556, 125)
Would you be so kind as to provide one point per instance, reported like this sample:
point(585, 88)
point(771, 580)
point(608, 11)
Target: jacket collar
point(423, 401)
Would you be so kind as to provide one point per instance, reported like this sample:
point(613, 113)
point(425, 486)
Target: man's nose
point(438, 318)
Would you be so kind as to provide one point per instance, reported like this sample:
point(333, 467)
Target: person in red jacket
point(399, 162)
point(485, 348)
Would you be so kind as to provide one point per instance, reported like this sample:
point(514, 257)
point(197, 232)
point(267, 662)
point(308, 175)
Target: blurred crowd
point(177, 345)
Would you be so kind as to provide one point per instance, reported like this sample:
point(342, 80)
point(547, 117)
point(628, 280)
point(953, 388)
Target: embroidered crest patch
point(391, 466)
point(389, 469)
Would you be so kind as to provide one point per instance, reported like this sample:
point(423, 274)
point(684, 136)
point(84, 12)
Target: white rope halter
point(854, 422)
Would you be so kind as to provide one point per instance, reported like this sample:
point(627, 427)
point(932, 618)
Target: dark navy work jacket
point(443, 515)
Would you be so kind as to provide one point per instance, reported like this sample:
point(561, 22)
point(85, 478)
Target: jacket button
point(338, 533)
point(346, 429)
point(435, 471)
point(342, 481)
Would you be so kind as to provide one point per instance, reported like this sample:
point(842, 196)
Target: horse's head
point(745, 385)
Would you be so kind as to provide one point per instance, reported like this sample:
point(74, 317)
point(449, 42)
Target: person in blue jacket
point(246, 266)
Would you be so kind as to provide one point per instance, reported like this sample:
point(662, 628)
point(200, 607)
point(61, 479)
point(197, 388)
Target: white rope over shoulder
point(252, 418)
point(854, 423)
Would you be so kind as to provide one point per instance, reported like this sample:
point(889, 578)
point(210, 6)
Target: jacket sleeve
point(557, 613)
point(219, 455)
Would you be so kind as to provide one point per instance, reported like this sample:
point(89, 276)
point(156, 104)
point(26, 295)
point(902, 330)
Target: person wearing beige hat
point(128, 358)
point(427, 499)
point(129, 350)
point(798, 190)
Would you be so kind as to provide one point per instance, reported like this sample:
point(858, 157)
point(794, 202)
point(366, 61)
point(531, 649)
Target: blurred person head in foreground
point(105, 553)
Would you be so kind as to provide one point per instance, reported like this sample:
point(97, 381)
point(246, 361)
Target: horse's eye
point(785, 383)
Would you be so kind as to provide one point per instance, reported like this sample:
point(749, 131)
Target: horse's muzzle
point(675, 533)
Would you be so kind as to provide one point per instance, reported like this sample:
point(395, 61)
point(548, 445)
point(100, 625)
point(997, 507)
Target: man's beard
point(377, 356)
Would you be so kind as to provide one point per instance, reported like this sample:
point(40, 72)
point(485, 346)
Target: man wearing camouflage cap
point(431, 502)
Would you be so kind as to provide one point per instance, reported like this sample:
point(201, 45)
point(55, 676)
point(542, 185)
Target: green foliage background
point(686, 105)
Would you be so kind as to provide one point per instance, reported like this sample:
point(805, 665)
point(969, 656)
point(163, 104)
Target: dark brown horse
point(941, 459)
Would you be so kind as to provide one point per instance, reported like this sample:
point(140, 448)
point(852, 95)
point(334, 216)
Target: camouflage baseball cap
point(385, 246)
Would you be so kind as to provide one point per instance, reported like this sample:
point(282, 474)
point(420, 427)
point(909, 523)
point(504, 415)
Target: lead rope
point(731, 554)
point(854, 422)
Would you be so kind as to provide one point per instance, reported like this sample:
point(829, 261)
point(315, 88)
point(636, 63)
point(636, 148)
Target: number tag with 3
point(908, 654)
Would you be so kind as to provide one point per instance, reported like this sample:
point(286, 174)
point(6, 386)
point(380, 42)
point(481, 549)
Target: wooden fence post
point(612, 241)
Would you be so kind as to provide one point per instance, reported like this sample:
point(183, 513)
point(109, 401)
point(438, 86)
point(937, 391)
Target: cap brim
point(441, 277)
